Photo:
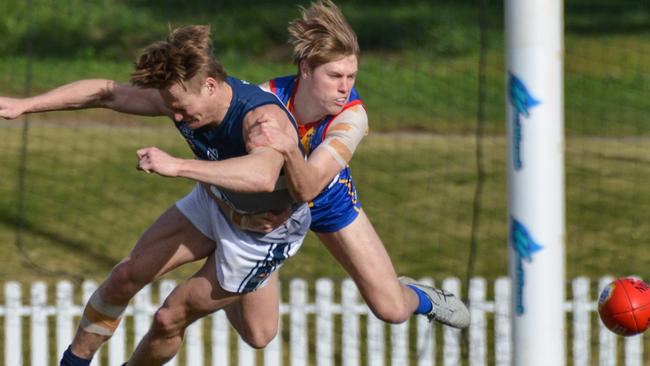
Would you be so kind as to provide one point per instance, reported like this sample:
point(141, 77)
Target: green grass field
point(404, 185)
point(83, 196)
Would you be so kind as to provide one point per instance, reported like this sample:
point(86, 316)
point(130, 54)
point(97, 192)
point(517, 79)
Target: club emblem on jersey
point(525, 247)
point(521, 102)
point(306, 140)
point(212, 153)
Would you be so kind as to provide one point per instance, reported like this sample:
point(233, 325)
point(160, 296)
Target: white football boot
point(447, 308)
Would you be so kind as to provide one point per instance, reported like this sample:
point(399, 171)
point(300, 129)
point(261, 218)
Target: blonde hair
point(321, 35)
point(188, 52)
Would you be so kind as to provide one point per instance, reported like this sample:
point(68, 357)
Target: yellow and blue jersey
point(337, 205)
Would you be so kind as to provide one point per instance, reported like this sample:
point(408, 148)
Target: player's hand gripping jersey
point(337, 205)
point(227, 141)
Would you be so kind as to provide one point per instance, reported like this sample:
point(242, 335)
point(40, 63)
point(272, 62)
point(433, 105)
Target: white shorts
point(244, 262)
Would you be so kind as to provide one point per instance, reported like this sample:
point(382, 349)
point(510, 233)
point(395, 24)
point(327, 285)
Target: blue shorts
point(336, 206)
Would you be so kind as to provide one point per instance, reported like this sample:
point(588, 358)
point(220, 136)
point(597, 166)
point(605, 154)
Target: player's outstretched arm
point(307, 178)
point(90, 93)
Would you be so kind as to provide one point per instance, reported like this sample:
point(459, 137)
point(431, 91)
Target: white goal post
point(535, 121)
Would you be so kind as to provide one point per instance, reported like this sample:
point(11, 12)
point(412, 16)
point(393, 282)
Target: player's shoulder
point(241, 84)
point(270, 109)
point(355, 112)
point(248, 90)
point(351, 122)
point(259, 102)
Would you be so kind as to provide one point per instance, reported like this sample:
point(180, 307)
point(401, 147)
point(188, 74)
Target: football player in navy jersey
point(182, 79)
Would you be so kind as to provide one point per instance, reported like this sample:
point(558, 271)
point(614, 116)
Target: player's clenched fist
point(266, 132)
point(154, 160)
point(11, 108)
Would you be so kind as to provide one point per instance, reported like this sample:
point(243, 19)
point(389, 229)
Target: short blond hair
point(321, 35)
point(187, 52)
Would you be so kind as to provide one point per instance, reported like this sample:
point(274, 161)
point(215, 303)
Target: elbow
point(305, 191)
point(108, 92)
point(105, 94)
point(268, 188)
point(266, 183)
point(304, 195)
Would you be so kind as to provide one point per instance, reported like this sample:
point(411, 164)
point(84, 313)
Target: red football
point(624, 306)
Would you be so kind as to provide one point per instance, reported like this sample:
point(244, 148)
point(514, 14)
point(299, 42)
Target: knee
point(393, 313)
point(260, 338)
point(122, 283)
point(168, 322)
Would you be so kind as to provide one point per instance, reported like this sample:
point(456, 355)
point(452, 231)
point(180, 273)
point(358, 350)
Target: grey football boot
point(447, 308)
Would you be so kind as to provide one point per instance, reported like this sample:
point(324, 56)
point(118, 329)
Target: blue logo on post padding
point(525, 247)
point(522, 102)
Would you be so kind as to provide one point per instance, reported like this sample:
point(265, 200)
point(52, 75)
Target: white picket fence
point(321, 332)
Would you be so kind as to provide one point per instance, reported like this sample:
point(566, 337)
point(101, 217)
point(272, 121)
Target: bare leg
point(170, 242)
point(256, 315)
point(362, 254)
point(195, 298)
